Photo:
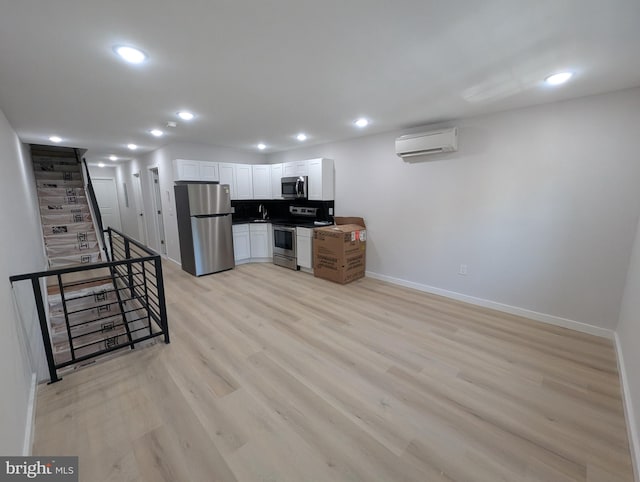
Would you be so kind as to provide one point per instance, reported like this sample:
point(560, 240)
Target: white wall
point(22, 252)
point(628, 338)
point(541, 204)
point(162, 159)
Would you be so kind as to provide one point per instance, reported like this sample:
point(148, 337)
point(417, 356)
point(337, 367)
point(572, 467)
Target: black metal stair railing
point(102, 312)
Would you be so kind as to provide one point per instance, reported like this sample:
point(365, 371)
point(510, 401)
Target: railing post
point(111, 243)
point(161, 300)
point(127, 254)
point(44, 329)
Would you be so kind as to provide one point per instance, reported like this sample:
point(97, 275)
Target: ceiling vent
point(434, 142)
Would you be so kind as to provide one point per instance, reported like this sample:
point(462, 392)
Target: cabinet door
point(241, 242)
point(315, 180)
point(289, 169)
point(261, 181)
point(227, 175)
point(244, 181)
point(186, 170)
point(209, 171)
point(260, 240)
point(321, 180)
point(303, 250)
point(301, 168)
point(276, 176)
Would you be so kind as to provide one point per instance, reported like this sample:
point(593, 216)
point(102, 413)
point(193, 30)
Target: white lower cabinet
point(241, 242)
point(304, 247)
point(260, 240)
point(252, 242)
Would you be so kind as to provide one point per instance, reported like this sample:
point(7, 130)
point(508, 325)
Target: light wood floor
point(274, 375)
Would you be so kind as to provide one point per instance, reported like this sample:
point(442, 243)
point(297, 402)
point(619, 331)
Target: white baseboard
point(513, 310)
point(171, 259)
point(634, 440)
point(31, 417)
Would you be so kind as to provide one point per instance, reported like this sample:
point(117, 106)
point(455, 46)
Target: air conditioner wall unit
point(434, 142)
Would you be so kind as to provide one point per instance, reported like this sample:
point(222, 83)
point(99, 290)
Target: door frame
point(138, 199)
point(160, 232)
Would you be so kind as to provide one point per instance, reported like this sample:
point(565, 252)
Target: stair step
point(57, 183)
point(70, 238)
point(62, 353)
point(63, 208)
point(78, 281)
point(62, 219)
point(65, 176)
point(55, 160)
point(61, 200)
point(67, 228)
point(84, 258)
point(61, 192)
point(71, 249)
point(104, 327)
point(56, 167)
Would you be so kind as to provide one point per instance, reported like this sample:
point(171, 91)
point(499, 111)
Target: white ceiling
point(265, 70)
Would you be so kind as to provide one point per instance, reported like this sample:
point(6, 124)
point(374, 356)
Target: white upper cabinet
point(209, 171)
point(228, 176)
point(321, 180)
point(186, 170)
point(261, 181)
point(276, 185)
point(244, 181)
point(294, 169)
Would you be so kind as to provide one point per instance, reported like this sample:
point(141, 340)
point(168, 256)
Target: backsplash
point(279, 209)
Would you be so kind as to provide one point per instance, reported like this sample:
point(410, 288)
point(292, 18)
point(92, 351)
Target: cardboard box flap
point(340, 220)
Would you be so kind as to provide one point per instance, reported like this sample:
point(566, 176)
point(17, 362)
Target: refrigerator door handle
point(199, 216)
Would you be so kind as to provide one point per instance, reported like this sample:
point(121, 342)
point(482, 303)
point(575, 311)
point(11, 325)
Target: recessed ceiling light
point(362, 122)
point(113, 158)
point(559, 78)
point(101, 164)
point(55, 139)
point(301, 137)
point(156, 132)
point(133, 147)
point(184, 115)
point(130, 54)
point(262, 146)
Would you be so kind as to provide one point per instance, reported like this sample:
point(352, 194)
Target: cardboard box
point(339, 252)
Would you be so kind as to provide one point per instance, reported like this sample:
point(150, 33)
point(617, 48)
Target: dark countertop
point(279, 221)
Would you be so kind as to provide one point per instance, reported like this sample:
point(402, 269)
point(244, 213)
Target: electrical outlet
point(463, 270)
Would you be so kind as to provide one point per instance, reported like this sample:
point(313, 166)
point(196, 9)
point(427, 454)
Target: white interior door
point(156, 196)
point(107, 197)
point(139, 209)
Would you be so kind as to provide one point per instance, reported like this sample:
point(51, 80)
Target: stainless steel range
point(284, 237)
point(284, 246)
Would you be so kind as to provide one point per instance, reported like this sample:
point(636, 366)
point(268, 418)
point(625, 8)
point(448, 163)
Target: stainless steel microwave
point(294, 187)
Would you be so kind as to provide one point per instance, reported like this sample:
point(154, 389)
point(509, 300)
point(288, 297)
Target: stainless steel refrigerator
point(204, 227)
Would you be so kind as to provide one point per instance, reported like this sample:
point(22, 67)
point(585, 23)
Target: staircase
point(88, 299)
point(97, 303)
point(69, 234)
